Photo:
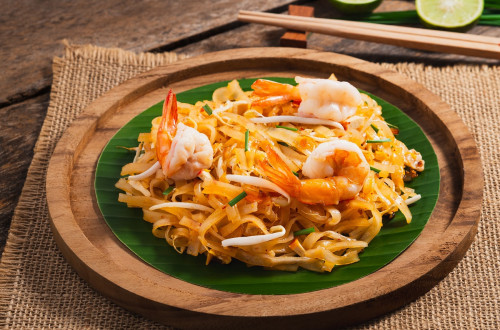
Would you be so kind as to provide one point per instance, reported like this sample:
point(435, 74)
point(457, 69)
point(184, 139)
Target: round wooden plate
point(92, 249)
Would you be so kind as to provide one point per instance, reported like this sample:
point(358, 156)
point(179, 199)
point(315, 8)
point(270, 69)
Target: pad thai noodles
point(282, 176)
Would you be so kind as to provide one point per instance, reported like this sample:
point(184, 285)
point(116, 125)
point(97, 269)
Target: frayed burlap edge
point(35, 180)
point(118, 55)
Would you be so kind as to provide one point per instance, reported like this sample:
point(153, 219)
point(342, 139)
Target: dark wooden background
point(31, 34)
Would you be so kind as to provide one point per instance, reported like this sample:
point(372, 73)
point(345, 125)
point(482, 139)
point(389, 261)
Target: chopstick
point(380, 27)
point(431, 40)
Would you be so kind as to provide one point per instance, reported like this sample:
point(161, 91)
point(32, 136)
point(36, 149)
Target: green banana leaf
point(135, 233)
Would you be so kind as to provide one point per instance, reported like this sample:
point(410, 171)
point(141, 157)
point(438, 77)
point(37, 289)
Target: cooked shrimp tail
point(269, 101)
point(274, 93)
point(264, 87)
point(279, 173)
point(167, 128)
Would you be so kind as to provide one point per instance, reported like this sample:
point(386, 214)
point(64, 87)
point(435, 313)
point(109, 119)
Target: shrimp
point(327, 99)
point(274, 93)
point(181, 150)
point(319, 98)
point(336, 169)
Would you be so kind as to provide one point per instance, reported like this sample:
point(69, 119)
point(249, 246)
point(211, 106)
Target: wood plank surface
point(95, 253)
point(19, 129)
point(31, 35)
point(31, 32)
point(253, 35)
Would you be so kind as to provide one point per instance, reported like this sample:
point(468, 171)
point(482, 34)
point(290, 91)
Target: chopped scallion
point(288, 128)
point(489, 16)
point(295, 173)
point(284, 144)
point(238, 198)
point(168, 190)
point(304, 231)
point(376, 170)
point(247, 137)
point(378, 141)
point(374, 128)
point(207, 109)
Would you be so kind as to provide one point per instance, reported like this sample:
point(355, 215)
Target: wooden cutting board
point(107, 265)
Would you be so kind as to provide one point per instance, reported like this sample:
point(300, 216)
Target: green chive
point(374, 128)
point(288, 128)
point(378, 141)
point(247, 137)
point(488, 17)
point(304, 231)
point(168, 190)
point(295, 173)
point(207, 109)
point(491, 4)
point(392, 126)
point(238, 198)
point(283, 143)
point(376, 170)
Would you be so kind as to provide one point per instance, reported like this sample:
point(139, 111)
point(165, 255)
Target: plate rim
point(447, 253)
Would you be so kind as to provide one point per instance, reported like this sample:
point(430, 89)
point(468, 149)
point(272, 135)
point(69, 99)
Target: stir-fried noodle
point(282, 177)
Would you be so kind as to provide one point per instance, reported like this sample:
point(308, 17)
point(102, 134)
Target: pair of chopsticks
point(431, 40)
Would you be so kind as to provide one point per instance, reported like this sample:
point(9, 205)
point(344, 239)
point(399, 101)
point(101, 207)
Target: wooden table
point(31, 35)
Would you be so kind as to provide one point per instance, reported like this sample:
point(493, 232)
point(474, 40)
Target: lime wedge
point(355, 6)
point(456, 15)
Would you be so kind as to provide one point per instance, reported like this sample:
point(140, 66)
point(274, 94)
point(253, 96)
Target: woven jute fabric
point(39, 289)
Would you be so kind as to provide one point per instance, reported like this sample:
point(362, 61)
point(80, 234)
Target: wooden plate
point(107, 265)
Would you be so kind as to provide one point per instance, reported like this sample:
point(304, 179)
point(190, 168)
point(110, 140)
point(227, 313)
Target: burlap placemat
point(38, 288)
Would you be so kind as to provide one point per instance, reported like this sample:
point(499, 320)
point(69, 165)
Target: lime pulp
point(457, 15)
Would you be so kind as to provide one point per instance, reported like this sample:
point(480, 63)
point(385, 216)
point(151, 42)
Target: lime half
point(355, 6)
point(456, 15)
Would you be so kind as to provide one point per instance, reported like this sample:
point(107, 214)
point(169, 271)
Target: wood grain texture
point(19, 130)
point(410, 37)
point(113, 270)
point(255, 35)
point(31, 33)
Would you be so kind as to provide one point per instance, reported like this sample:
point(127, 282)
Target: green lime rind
point(355, 7)
point(451, 15)
point(128, 226)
